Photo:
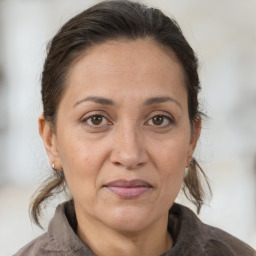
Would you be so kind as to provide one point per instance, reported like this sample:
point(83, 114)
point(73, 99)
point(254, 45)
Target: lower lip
point(129, 193)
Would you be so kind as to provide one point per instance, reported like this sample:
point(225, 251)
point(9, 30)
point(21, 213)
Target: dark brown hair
point(115, 20)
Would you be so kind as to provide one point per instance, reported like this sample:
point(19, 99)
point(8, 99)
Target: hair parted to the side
point(105, 21)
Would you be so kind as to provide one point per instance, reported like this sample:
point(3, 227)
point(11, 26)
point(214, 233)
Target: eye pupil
point(158, 120)
point(96, 120)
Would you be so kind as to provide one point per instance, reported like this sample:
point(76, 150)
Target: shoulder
point(221, 243)
point(60, 238)
point(48, 243)
point(39, 246)
point(193, 237)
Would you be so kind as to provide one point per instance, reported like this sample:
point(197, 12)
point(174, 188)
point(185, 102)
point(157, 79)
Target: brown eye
point(161, 121)
point(96, 120)
point(158, 120)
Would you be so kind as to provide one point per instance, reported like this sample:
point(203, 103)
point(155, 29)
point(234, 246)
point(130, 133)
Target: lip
point(128, 189)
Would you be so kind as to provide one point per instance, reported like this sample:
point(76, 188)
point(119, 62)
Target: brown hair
point(114, 20)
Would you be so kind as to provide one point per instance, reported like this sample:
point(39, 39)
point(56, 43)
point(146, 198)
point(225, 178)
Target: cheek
point(81, 160)
point(171, 155)
point(170, 163)
point(77, 152)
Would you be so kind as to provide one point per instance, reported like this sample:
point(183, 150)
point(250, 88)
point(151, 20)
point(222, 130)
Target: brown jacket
point(191, 237)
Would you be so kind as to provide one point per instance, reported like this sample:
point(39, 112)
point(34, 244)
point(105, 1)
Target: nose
point(128, 147)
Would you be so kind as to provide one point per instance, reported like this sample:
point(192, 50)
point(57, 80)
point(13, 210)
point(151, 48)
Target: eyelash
point(169, 119)
point(86, 119)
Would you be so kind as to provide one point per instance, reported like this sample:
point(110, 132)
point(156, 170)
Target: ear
point(50, 142)
point(195, 134)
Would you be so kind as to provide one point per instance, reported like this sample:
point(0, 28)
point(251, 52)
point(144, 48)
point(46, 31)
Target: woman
point(120, 124)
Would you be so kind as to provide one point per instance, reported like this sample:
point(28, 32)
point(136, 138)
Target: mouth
point(128, 189)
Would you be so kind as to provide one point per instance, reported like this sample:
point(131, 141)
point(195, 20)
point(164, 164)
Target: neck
point(102, 240)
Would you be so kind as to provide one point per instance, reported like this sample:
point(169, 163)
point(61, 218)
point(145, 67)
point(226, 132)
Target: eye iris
point(96, 120)
point(158, 120)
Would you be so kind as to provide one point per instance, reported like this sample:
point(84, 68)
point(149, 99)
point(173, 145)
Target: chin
point(127, 219)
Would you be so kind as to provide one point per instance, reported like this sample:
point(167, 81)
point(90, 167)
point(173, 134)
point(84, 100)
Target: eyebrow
point(150, 101)
point(99, 100)
point(156, 100)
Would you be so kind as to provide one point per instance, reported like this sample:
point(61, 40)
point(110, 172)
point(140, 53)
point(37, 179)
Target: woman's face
point(123, 136)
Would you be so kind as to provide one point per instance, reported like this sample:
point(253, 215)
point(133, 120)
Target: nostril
point(117, 163)
point(128, 158)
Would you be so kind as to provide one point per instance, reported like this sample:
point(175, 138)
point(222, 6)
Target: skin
point(126, 143)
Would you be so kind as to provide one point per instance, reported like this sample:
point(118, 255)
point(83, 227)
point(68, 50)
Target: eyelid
point(164, 114)
point(89, 115)
point(95, 113)
point(106, 116)
point(161, 113)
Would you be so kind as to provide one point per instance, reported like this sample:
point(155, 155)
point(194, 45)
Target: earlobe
point(49, 140)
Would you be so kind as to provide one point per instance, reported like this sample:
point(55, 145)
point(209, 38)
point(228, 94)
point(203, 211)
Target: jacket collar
point(186, 229)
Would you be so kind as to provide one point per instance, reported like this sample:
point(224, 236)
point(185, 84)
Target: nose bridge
point(128, 148)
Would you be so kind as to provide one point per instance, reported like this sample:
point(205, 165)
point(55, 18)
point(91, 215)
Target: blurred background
point(223, 34)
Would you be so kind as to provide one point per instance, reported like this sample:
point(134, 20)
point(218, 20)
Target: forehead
point(141, 66)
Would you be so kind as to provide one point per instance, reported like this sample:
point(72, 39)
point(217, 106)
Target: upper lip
point(128, 183)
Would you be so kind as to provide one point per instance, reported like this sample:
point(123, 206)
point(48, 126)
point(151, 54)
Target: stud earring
point(189, 162)
point(53, 167)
